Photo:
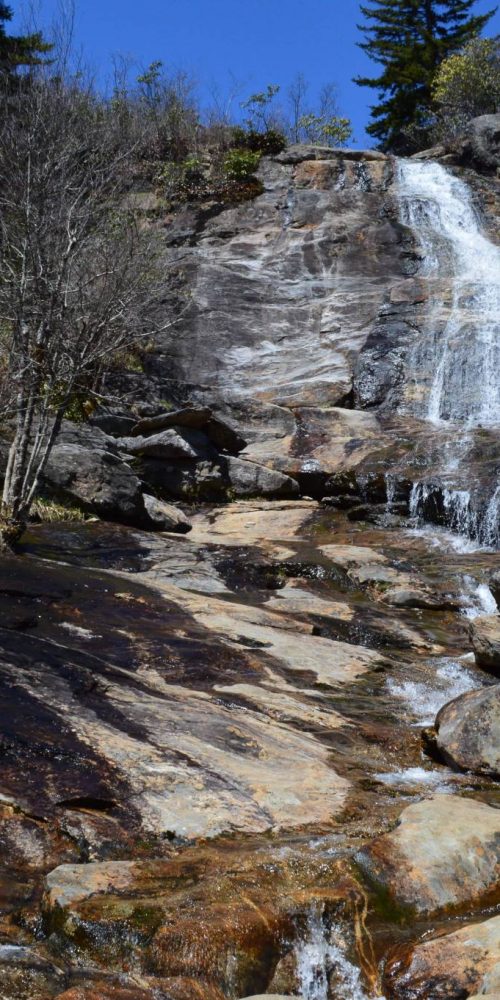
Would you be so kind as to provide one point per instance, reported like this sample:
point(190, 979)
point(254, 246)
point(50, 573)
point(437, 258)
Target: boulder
point(483, 140)
point(247, 479)
point(115, 424)
point(224, 437)
point(484, 633)
point(448, 967)
point(468, 731)
point(166, 444)
point(443, 853)
point(165, 516)
point(186, 480)
point(194, 417)
point(97, 480)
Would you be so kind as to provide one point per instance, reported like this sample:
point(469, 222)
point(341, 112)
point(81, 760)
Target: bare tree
point(297, 95)
point(75, 268)
point(320, 124)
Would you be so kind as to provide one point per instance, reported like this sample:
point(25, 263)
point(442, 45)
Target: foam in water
point(472, 529)
point(464, 356)
point(424, 700)
point(479, 599)
point(414, 777)
point(320, 955)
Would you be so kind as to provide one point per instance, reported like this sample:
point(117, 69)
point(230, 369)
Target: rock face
point(309, 262)
point(449, 967)
point(485, 637)
point(468, 731)
point(444, 853)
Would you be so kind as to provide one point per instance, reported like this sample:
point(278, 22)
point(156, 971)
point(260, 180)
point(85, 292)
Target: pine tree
point(19, 50)
point(409, 39)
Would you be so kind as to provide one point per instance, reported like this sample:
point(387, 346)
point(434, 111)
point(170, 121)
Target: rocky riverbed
point(250, 737)
point(219, 750)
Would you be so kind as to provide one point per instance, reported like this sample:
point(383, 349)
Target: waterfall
point(323, 968)
point(458, 358)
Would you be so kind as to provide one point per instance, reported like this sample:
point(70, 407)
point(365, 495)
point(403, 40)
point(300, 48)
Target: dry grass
point(50, 512)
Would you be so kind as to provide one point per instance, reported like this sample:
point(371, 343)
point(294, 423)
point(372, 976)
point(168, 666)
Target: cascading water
point(460, 353)
point(323, 969)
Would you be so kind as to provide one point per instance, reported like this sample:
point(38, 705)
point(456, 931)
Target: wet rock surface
point(248, 679)
point(468, 732)
point(443, 854)
point(485, 638)
point(450, 966)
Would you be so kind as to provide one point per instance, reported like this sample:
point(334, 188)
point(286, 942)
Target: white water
point(424, 699)
point(321, 960)
point(461, 353)
point(478, 599)
point(416, 777)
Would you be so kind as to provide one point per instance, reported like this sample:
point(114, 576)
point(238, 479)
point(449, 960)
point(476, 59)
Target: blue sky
point(255, 42)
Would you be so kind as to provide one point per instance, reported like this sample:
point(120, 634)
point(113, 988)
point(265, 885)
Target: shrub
point(466, 85)
point(268, 143)
point(240, 165)
point(182, 180)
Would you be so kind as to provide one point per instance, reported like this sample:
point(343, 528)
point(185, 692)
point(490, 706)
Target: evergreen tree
point(19, 50)
point(409, 39)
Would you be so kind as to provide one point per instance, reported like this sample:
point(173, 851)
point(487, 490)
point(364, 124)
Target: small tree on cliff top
point(409, 39)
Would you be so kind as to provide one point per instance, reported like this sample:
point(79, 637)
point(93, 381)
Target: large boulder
point(443, 853)
point(448, 967)
point(247, 479)
point(468, 731)
point(194, 417)
point(222, 435)
point(484, 634)
point(95, 478)
point(165, 444)
point(483, 142)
